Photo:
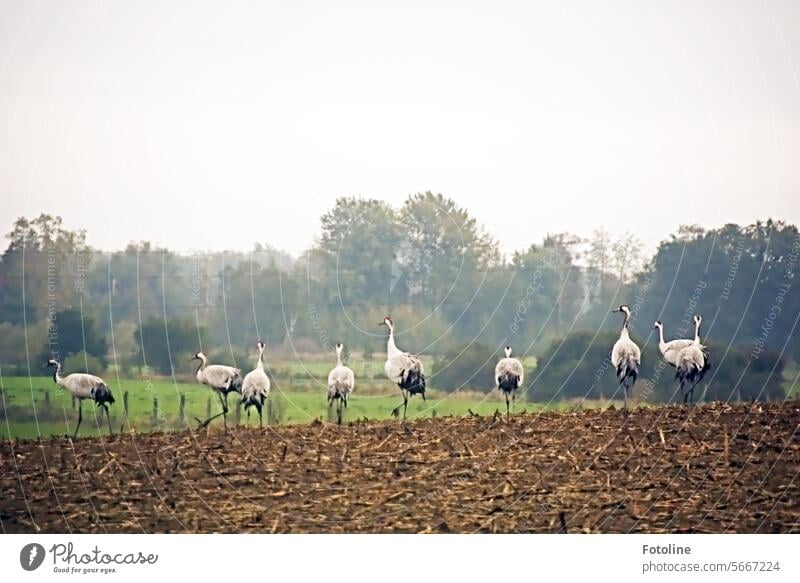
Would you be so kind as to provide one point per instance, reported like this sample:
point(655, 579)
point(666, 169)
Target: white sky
point(212, 126)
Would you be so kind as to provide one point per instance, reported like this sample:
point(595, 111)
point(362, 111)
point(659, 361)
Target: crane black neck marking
point(56, 372)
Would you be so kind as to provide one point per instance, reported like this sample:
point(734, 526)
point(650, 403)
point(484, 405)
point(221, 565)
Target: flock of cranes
point(689, 357)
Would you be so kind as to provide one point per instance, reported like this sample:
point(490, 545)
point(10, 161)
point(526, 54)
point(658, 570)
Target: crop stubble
point(716, 468)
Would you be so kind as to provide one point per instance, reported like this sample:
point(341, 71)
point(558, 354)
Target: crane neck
point(59, 380)
point(661, 342)
point(202, 365)
point(391, 347)
point(624, 332)
point(260, 363)
point(697, 332)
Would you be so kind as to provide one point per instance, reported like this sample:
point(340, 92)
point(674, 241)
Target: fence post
point(182, 408)
point(125, 403)
point(155, 411)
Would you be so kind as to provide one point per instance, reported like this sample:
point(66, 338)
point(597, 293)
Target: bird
point(625, 355)
point(669, 350)
point(403, 369)
point(341, 382)
point(255, 388)
point(693, 362)
point(509, 374)
point(84, 386)
point(222, 380)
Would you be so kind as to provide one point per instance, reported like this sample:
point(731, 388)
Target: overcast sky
point(213, 126)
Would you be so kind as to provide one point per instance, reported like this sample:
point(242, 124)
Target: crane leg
point(260, 419)
point(508, 406)
point(339, 412)
point(224, 400)
point(108, 418)
point(247, 421)
point(405, 405)
point(396, 410)
point(202, 424)
point(513, 399)
point(80, 418)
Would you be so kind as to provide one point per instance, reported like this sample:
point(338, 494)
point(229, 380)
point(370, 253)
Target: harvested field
point(716, 468)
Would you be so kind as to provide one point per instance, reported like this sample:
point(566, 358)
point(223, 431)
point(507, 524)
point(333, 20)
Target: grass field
point(35, 406)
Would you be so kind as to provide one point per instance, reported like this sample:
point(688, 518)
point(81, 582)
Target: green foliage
point(431, 266)
point(161, 343)
point(42, 269)
point(468, 366)
point(70, 333)
point(577, 367)
point(82, 362)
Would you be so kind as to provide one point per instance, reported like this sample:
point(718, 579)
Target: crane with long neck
point(84, 386)
point(403, 369)
point(256, 386)
point(625, 355)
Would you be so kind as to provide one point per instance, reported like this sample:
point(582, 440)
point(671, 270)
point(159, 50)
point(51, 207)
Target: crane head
point(508, 352)
point(260, 345)
point(657, 324)
point(623, 308)
point(50, 362)
point(387, 321)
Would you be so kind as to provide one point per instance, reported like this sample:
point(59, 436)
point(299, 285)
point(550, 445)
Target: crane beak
point(381, 323)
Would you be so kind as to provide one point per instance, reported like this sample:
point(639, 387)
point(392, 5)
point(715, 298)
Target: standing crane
point(669, 350)
point(625, 355)
point(222, 380)
point(403, 369)
point(509, 374)
point(341, 382)
point(693, 362)
point(255, 388)
point(84, 386)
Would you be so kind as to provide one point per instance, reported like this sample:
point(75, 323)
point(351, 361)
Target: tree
point(50, 261)
point(162, 343)
point(70, 333)
point(357, 250)
point(445, 258)
point(468, 366)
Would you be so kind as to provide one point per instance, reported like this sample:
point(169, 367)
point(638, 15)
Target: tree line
point(453, 293)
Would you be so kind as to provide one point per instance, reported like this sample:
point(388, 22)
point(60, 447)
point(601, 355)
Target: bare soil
point(714, 468)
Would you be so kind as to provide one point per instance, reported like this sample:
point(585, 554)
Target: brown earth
point(717, 468)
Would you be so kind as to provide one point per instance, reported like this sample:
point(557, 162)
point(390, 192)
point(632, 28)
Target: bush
point(82, 362)
point(466, 366)
point(579, 366)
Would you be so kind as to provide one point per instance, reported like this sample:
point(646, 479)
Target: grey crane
point(222, 380)
point(84, 386)
point(341, 382)
point(669, 350)
point(508, 375)
point(693, 362)
point(403, 369)
point(625, 355)
point(255, 388)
